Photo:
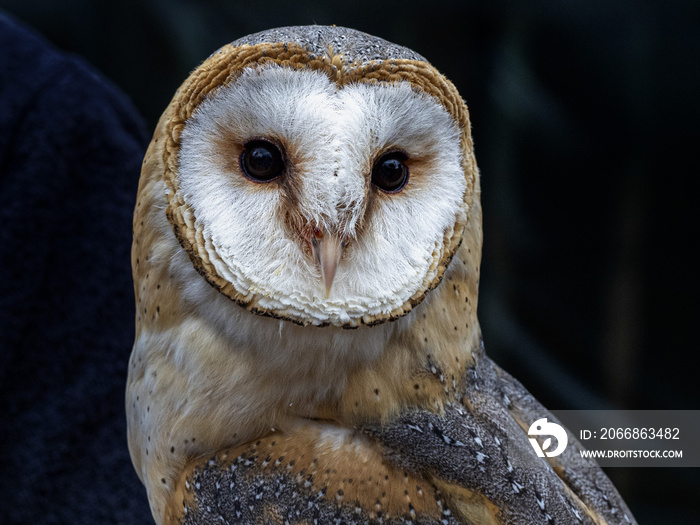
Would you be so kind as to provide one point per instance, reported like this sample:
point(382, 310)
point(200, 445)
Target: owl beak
point(327, 250)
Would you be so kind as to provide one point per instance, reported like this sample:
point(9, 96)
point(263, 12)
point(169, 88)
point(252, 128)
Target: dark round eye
point(262, 161)
point(390, 173)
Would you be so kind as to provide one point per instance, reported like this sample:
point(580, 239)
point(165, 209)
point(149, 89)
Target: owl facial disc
point(313, 189)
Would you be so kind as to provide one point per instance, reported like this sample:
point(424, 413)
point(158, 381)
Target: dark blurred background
point(585, 118)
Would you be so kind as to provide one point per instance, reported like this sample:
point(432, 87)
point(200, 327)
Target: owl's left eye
point(262, 161)
point(390, 172)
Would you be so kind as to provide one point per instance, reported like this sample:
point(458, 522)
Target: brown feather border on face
point(225, 65)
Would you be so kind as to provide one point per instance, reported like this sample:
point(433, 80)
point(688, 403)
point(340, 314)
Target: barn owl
point(307, 242)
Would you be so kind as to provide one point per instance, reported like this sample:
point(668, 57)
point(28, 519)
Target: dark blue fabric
point(71, 147)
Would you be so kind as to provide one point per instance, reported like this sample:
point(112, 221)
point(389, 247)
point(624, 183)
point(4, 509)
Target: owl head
point(320, 175)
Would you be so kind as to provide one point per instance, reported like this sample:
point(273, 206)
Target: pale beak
point(327, 250)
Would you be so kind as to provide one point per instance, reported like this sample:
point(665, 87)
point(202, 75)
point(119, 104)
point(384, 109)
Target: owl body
point(307, 241)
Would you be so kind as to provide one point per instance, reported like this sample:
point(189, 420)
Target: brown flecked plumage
point(387, 411)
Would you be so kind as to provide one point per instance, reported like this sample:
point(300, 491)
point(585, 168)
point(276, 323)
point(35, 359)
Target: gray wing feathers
point(477, 443)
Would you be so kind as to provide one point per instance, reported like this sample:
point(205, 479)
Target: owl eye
point(262, 161)
point(390, 173)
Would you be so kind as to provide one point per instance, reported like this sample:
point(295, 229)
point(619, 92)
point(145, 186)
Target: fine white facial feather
point(333, 137)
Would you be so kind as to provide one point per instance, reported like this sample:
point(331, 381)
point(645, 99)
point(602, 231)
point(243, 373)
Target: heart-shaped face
point(317, 188)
